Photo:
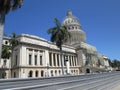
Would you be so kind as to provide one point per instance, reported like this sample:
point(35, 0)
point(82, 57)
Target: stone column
point(59, 60)
point(33, 60)
point(38, 59)
point(63, 59)
point(27, 61)
point(56, 64)
point(33, 73)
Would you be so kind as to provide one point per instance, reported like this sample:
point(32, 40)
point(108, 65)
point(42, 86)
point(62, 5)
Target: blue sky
point(100, 19)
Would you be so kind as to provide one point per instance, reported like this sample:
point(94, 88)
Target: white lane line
point(50, 84)
point(67, 88)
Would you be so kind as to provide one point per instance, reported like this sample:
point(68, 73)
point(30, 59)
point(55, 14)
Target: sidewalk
point(116, 87)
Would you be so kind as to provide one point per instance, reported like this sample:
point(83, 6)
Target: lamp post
point(48, 70)
point(67, 64)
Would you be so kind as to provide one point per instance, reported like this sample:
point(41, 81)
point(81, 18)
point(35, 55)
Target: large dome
point(73, 26)
point(71, 21)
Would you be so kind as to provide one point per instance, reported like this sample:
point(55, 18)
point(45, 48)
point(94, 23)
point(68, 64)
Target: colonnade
point(55, 61)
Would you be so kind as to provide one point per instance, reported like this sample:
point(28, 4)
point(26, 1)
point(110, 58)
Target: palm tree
point(13, 42)
point(5, 7)
point(5, 55)
point(6, 52)
point(59, 35)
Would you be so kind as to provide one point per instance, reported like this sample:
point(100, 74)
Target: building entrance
point(87, 70)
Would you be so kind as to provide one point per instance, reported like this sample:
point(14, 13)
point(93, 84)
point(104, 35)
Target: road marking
point(67, 88)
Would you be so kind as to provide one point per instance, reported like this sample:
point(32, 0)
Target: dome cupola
point(71, 20)
point(74, 27)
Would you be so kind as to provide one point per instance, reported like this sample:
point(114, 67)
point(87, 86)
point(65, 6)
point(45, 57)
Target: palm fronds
point(7, 5)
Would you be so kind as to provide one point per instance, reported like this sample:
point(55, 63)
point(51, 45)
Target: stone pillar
point(56, 64)
point(71, 60)
point(33, 60)
point(59, 60)
point(43, 59)
point(27, 59)
point(46, 57)
point(63, 59)
point(33, 73)
point(38, 59)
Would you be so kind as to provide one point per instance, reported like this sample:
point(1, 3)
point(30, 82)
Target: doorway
point(87, 70)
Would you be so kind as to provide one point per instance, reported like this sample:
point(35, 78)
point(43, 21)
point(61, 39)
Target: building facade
point(37, 57)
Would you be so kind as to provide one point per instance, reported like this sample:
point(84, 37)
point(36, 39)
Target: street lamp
point(67, 64)
point(48, 70)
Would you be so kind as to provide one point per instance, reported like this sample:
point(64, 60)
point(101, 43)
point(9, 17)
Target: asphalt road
point(103, 81)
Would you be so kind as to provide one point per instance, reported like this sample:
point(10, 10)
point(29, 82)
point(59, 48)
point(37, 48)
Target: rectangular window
point(30, 59)
point(70, 60)
point(35, 59)
point(58, 60)
point(54, 61)
point(64, 61)
point(16, 60)
point(40, 60)
point(75, 61)
point(50, 59)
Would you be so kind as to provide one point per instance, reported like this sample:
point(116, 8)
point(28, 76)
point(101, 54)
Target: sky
point(100, 20)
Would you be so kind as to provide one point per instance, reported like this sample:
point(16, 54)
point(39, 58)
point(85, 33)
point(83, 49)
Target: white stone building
point(37, 57)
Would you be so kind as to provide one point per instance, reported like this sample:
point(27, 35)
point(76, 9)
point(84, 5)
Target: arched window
point(68, 28)
point(87, 70)
point(14, 75)
point(59, 72)
point(56, 72)
point(51, 73)
point(74, 72)
point(42, 73)
point(30, 74)
point(76, 27)
point(71, 71)
point(36, 73)
point(6, 42)
point(3, 74)
point(72, 27)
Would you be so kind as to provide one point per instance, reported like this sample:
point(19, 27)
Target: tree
point(110, 62)
point(59, 35)
point(5, 55)
point(13, 41)
point(5, 7)
point(115, 63)
point(6, 52)
point(6, 49)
